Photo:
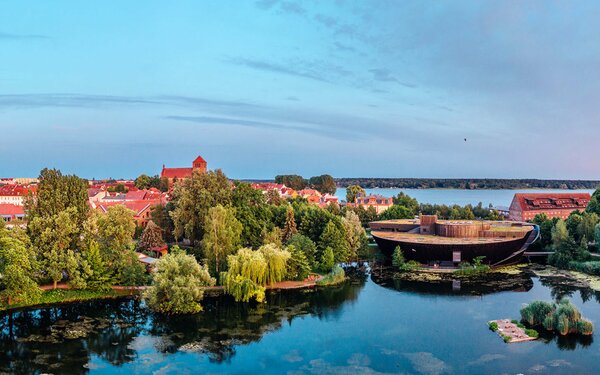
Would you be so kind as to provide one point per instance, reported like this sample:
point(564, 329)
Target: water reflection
point(64, 339)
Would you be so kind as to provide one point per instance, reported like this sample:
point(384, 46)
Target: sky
point(259, 88)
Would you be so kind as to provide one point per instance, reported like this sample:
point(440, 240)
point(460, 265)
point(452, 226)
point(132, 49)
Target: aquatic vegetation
point(477, 268)
point(563, 318)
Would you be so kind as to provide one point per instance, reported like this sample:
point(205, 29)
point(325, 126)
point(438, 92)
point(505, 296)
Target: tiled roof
point(548, 201)
point(136, 206)
point(176, 172)
point(7, 209)
point(16, 190)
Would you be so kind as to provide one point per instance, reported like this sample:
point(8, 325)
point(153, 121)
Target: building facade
point(525, 206)
point(173, 174)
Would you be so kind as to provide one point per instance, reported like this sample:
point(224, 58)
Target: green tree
point(222, 236)
point(323, 183)
point(142, 182)
point(404, 200)
point(116, 229)
point(292, 180)
point(396, 212)
point(17, 267)
point(160, 216)
point(273, 236)
point(356, 237)
point(100, 277)
point(327, 260)
point(246, 275)
point(398, 259)
point(597, 236)
point(334, 237)
point(298, 267)
point(193, 197)
point(305, 245)
point(54, 237)
point(276, 260)
point(130, 272)
point(178, 284)
point(152, 237)
point(289, 230)
point(352, 192)
point(252, 212)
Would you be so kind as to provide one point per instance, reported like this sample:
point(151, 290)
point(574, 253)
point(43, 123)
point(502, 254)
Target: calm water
point(360, 327)
point(458, 196)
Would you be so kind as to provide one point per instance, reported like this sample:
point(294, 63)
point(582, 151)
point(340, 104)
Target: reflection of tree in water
point(62, 339)
point(225, 324)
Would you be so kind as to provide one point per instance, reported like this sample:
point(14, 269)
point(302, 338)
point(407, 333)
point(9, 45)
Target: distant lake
point(461, 196)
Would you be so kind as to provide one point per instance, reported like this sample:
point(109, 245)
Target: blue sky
point(259, 88)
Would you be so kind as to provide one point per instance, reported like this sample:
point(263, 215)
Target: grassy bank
point(58, 296)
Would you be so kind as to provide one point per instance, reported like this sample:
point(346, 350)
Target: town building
point(525, 206)
point(447, 243)
point(173, 174)
point(379, 202)
point(11, 212)
point(15, 194)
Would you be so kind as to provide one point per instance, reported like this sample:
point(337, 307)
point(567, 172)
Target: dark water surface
point(360, 327)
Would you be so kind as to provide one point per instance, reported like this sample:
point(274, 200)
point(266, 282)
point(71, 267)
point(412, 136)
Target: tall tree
point(246, 275)
point(333, 237)
point(298, 267)
point(152, 237)
point(404, 200)
point(276, 260)
point(116, 229)
point(356, 237)
point(193, 197)
point(252, 212)
point(323, 183)
point(142, 182)
point(222, 236)
point(352, 192)
point(305, 245)
point(289, 230)
point(292, 180)
point(17, 267)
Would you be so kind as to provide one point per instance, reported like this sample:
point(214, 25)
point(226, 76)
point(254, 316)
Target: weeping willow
point(249, 271)
point(276, 260)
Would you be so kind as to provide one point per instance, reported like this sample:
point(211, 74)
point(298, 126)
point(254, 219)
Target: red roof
point(199, 159)
point(17, 190)
point(548, 201)
point(176, 172)
point(136, 206)
point(7, 209)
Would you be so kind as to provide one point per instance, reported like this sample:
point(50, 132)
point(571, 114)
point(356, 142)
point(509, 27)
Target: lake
point(360, 327)
point(460, 196)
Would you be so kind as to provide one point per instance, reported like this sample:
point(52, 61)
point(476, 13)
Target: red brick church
point(180, 173)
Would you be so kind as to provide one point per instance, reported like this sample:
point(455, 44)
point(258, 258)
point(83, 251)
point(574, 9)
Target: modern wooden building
point(449, 242)
point(525, 206)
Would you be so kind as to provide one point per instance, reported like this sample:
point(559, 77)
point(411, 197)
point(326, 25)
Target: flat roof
point(439, 240)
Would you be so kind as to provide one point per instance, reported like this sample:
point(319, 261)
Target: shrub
point(493, 326)
point(336, 276)
point(506, 338)
point(563, 318)
point(532, 333)
point(411, 265)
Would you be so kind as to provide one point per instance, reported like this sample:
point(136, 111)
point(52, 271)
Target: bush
point(336, 276)
point(563, 318)
point(532, 333)
point(475, 269)
point(411, 265)
point(493, 326)
point(506, 338)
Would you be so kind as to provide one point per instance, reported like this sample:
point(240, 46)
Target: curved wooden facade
point(451, 242)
